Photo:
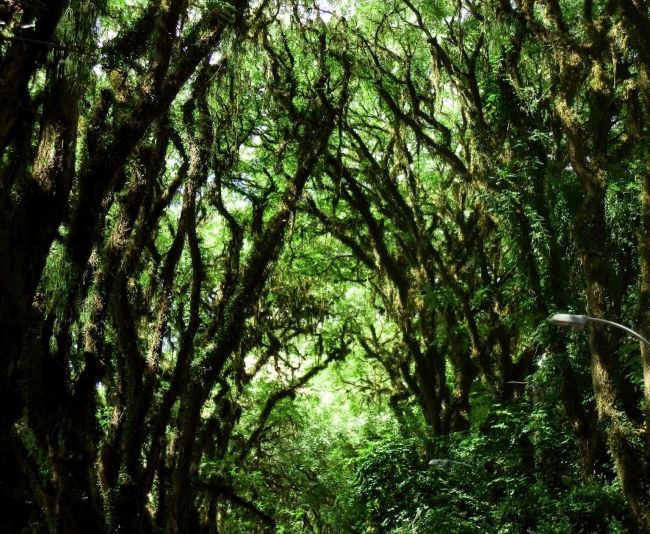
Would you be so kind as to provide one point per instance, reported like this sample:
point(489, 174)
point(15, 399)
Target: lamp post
point(578, 322)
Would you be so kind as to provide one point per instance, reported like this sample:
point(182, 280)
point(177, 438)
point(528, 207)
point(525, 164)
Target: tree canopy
point(288, 266)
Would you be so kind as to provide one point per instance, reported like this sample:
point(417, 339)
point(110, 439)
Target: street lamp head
point(577, 322)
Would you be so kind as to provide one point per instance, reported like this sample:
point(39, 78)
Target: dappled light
point(307, 266)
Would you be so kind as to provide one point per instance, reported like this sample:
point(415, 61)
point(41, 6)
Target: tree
point(206, 208)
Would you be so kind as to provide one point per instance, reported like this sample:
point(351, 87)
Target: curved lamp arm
point(578, 322)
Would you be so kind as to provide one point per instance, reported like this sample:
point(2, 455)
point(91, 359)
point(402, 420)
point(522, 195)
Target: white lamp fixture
point(577, 322)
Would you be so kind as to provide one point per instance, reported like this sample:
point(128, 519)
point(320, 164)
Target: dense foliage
point(285, 266)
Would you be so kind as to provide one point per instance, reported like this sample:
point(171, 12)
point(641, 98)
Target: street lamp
point(578, 322)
